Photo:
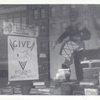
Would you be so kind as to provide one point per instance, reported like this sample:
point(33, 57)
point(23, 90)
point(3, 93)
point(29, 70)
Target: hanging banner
point(22, 58)
point(10, 28)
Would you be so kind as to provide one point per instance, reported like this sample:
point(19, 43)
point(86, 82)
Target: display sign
point(22, 58)
point(10, 28)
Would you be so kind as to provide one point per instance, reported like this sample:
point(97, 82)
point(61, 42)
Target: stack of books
point(45, 91)
point(40, 89)
point(34, 91)
point(17, 90)
point(39, 85)
point(7, 91)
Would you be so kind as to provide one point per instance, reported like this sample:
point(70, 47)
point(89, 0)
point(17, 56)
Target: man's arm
point(63, 36)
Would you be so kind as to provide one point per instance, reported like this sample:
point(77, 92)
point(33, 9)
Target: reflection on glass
point(43, 13)
point(35, 14)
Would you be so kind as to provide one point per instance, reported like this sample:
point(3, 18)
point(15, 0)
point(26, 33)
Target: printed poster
point(22, 58)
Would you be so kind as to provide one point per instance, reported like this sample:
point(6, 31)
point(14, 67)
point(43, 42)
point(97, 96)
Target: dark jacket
point(84, 34)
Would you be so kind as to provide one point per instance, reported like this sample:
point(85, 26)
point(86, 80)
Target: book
point(34, 91)
point(38, 83)
point(40, 86)
point(90, 82)
point(44, 91)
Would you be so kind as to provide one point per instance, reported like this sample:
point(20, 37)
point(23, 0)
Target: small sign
point(89, 91)
point(22, 58)
point(10, 28)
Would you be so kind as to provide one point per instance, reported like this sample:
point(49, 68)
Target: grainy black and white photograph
point(50, 49)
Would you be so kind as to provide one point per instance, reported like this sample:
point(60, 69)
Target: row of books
point(39, 91)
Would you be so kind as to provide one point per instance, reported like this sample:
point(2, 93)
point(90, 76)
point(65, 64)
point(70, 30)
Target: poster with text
point(22, 58)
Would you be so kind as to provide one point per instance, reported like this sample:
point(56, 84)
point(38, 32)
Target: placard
point(22, 58)
point(10, 28)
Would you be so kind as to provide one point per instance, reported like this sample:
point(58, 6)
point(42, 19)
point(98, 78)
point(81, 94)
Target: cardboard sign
point(20, 29)
point(22, 58)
